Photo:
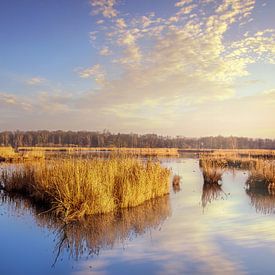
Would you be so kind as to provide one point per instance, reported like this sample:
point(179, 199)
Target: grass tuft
point(74, 188)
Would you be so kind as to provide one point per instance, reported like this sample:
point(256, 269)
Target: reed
point(73, 188)
point(121, 150)
point(8, 154)
point(263, 172)
point(241, 153)
point(211, 173)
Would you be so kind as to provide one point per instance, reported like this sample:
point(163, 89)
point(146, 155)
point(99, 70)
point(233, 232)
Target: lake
point(198, 229)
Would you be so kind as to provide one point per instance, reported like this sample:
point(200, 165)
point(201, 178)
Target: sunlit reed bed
point(211, 173)
point(73, 188)
point(249, 153)
point(261, 171)
point(121, 150)
point(8, 154)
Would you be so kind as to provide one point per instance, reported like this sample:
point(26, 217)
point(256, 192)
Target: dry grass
point(122, 150)
point(73, 188)
point(249, 153)
point(211, 173)
point(228, 160)
point(261, 170)
point(8, 154)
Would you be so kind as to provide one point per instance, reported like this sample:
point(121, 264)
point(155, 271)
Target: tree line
point(107, 139)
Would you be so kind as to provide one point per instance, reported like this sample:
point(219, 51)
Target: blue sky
point(176, 67)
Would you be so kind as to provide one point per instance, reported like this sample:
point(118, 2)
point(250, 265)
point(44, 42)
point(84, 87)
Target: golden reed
point(73, 188)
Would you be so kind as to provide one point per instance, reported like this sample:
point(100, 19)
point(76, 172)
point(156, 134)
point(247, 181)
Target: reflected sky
point(228, 233)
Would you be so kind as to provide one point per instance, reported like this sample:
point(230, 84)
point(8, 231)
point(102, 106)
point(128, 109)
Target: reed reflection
point(262, 197)
point(211, 192)
point(88, 236)
point(176, 183)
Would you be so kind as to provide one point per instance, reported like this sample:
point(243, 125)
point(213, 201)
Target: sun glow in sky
point(182, 67)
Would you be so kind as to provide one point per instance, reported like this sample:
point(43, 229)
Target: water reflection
point(210, 192)
point(90, 235)
point(228, 238)
point(176, 183)
point(261, 197)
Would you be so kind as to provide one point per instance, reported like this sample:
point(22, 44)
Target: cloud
point(104, 7)
point(174, 70)
point(181, 3)
point(96, 72)
point(120, 22)
point(183, 59)
point(35, 81)
point(105, 51)
point(8, 101)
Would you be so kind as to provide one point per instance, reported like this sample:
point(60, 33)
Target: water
point(196, 230)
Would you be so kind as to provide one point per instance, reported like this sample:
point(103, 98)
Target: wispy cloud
point(8, 101)
point(95, 72)
point(35, 81)
point(157, 71)
point(104, 7)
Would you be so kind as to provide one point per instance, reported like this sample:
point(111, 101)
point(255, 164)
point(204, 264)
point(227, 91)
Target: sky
point(171, 67)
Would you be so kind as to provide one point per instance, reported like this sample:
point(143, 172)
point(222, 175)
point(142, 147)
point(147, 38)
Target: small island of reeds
point(74, 188)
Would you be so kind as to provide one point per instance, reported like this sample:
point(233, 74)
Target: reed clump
point(74, 188)
point(212, 174)
point(263, 172)
point(7, 153)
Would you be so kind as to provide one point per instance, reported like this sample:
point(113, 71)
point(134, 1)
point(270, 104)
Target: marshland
point(86, 213)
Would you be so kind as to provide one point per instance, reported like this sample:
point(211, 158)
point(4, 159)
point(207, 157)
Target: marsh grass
point(211, 173)
point(117, 150)
point(74, 188)
point(8, 154)
point(261, 170)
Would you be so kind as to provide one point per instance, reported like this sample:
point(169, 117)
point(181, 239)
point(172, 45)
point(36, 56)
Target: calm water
point(197, 230)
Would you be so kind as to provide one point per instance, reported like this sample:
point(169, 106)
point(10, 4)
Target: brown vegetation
point(73, 188)
point(120, 150)
point(8, 154)
point(261, 170)
point(211, 173)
